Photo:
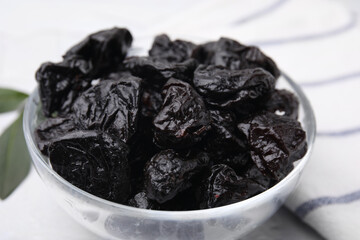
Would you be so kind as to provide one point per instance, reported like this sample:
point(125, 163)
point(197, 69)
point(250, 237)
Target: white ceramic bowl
point(115, 221)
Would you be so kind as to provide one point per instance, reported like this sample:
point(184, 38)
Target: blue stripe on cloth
point(336, 79)
point(260, 12)
point(350, 24)
point(340, 133)
point(313, 204)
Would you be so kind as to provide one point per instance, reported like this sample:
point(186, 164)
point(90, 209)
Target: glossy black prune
point(234, 56)
point(183, 119)
point(117, 75)
point(168, 173)
point(59, 86)
point(223, 186)
point(151, 101)
point(252, 57)
point(50, 129)
point(158, 71)
point(93, 161)
point(223, 132)
point(172, 51)
point(140, 200)
point(243, 91)
point(274, 143)
point(110, 106)
point(222, 142)
point(142, 149)
point(284, 103)
point(100, 52)
point(253, 173)
point(223, 52)
point(162, 132)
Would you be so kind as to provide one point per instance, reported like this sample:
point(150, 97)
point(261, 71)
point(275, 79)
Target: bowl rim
point(192, 214)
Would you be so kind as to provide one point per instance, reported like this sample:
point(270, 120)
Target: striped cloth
point(317, 42)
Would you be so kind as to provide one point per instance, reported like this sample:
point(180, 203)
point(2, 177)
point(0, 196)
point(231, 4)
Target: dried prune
point(223, 52)
point(140, 200)
point(252, 57)
point(234, 56)
point(161, 131)
point(142, 149)
point(253, 173)
point(223, 132)
point(111, 106)
point(99, 52)
point(172, 51)
point(51, 129)
point(222, 142)
point(223, 186)
point(151, 101)
point(59, 86)
point(158, 71)
point(184, 200)
point(240, 90)
point(168, 173)
point(284, 103)
point(117, 75)
point(236, 159)
point(93, 161)
point(274, 142)
point(183, 119)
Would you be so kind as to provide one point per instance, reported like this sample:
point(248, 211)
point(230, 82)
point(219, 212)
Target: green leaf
point(10, 99)
point(14, 158)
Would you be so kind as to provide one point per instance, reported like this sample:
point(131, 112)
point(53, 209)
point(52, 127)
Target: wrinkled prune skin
point(183, 201)
point(158, 71)
point(172, 51)
point(151, 101)
point(110, 106)
point(283, 101)
point(274, 142)
point(142, 149)
point(223, 186)
point(59, 86)
point(236, 159)
point(99, 52)
point(254, 174)
point(51, 129)
point(93, 161)
point(117, 75)
point(168, 173)
point(222, 142)
point(223, 52)
point(240, 90)
point(234, 56)
point(187, 127)
point(253, 58)
point(140, 200)
point(183, 119)
point(223, 127)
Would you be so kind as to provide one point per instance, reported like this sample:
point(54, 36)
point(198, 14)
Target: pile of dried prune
point(186, 127)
